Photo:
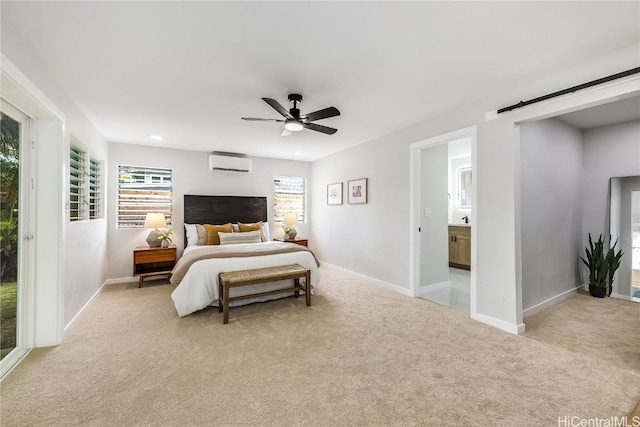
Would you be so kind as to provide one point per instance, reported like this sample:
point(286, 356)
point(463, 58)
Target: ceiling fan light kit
point(294, 122)
point(293, 125)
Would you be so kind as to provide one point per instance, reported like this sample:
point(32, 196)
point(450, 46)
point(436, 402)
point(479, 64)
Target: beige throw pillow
point(241, 237)
point(202, 235)
point(256, 226)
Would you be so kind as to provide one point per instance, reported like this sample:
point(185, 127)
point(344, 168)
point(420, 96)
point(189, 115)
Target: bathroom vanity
point(460, 246)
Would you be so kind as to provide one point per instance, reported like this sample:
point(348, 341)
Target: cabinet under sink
point(460, 246)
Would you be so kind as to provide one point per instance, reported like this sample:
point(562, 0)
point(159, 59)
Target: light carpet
point(360, 355)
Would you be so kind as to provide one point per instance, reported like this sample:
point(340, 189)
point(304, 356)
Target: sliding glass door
point(15, 235)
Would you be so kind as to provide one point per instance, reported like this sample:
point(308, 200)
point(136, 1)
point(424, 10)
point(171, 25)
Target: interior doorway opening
point(442, 220)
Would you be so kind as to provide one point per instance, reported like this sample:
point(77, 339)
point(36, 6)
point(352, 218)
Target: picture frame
point(357, 191)
point(334, 194)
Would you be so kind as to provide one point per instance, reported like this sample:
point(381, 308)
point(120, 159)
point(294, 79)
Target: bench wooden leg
point(296, 282)
point(308, 287)
point(225, 309)
point(220, 295)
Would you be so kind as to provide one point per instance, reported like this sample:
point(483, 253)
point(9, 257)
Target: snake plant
point(596, 262)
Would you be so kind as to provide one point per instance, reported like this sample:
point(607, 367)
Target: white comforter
point(199, 287)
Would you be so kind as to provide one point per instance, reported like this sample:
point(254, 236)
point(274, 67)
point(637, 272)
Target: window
point(95, 189)
point(142, 190)
point(290, 195)
point(86, 193)
point(77, 184)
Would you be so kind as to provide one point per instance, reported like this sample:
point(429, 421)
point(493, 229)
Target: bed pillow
point(202, 235)
point(192, 234)
point(241, 237)
point(213, 230)
point(266, 235)
point(256, 226)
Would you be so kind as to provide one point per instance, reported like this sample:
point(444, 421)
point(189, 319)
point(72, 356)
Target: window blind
point(95, 189)
point(290, 195)
point(77, 182)
point(142, 190)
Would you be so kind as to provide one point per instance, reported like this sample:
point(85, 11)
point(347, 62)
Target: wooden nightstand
point(301, 242)
point(153, 261)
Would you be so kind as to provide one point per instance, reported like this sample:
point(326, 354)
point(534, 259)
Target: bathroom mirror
point(624, 225)
point(464, 188)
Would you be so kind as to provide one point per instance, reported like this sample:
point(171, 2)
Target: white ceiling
point(189, 70)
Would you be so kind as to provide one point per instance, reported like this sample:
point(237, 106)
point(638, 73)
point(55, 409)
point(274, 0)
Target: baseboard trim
point(378, 282)
point(500, 324)
point(435, 286)
point(623, 297)
point(120, 280)
point(84, 307)
point(551, 301)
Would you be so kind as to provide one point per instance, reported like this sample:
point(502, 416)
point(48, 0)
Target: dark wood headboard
point(224, 209)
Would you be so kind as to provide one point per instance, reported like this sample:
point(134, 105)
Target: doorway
point(442, 200)
point(15, 235)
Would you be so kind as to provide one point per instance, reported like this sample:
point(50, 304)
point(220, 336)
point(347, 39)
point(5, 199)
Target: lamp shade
point(155, 220)
point(291, 218)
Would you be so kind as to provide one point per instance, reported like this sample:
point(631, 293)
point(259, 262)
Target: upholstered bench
point(232, 279)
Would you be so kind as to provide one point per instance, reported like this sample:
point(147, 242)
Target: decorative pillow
point(266, 236)
point(213, 230)
point(234, 228)
point(202, 235)
point(242, 237)
point(192, 234)
point(256, 226)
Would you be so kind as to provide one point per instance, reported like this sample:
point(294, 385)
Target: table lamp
point(290, 219)
point(154, 220)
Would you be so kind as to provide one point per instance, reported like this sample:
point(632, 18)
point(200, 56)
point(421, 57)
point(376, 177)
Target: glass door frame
point(26, 241)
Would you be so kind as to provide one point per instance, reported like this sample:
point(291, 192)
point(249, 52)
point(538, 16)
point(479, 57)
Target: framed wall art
point(334, 194)
point(357, 191)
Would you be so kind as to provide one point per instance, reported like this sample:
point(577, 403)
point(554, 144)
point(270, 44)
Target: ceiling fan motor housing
point(295, 98)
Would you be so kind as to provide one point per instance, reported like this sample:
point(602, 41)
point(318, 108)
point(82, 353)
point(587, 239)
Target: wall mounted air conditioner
point(229, 163)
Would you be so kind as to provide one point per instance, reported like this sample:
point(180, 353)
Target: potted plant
point(602, 267)
point(165, 238)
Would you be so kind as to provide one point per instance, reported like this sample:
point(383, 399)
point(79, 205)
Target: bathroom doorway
point(442, 240)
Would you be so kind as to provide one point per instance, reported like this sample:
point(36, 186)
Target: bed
point(196, 273)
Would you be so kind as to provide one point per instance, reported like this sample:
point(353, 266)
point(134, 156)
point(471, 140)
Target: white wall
point(434, 246)
point(609, 151)
point(370, 239)
point(551, 209)
point(191, 175)
point(373, 239)
point(84, 245)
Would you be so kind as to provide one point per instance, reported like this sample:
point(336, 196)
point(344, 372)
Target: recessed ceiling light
point(297, 153)
point(156, 137)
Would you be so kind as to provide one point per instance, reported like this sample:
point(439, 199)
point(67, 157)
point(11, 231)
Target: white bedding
point(199, 287)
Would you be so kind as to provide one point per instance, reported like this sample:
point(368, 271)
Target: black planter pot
point(598, 291)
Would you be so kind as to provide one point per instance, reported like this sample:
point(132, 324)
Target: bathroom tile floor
point(456, 295)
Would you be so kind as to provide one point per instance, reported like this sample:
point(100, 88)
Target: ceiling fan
point(294, 122)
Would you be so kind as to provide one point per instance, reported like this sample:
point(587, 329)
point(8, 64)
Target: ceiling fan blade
point(276, 106)
point(320, 128)
point(261, 120)
point(322, 114)
point(286, 132)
